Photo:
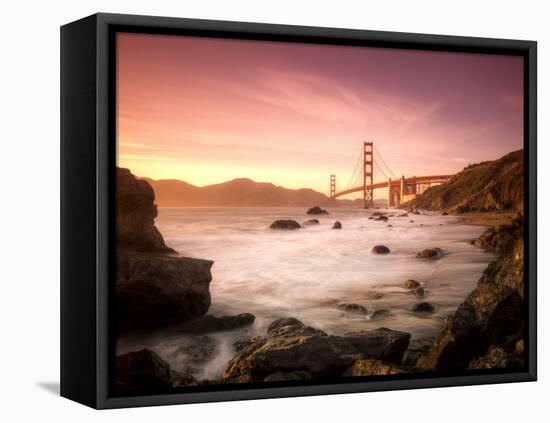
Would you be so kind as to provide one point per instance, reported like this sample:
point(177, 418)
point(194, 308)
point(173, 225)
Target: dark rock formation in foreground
point(489, 186)
point(157, 291)
point(337, 225)
point(424, 308)
point(142, 372)
point(374, 368)
point(135, 215)
point(487, 330)
point(154, 289)
point(317, 210)
point(292, 351)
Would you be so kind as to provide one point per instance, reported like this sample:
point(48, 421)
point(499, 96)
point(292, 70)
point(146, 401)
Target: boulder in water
point(430, 253)
point(337, 225)
point(311, 222)
point(316, 210)
point(419, 292)
point(411, 284)
point(352, 308)
point(285, 224)
point(380, 314)
point(423, 308)
point(380, 249)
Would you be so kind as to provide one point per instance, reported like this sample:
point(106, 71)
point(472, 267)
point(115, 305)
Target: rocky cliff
point(135, 215)
point(487, 330)
point(489, 186)
point(293, 351)
point(154, 288)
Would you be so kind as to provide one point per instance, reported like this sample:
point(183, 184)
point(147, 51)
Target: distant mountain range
point(240, 192)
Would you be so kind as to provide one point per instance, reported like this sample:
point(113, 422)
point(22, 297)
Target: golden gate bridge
point(400, 189)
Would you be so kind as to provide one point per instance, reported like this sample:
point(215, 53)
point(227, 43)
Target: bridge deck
point(415, 180)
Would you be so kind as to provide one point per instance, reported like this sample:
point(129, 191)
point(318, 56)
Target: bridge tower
point(332, 186)
point(368, 170)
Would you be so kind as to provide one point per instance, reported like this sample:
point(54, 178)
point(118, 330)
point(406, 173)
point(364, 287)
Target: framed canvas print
point(256, 211)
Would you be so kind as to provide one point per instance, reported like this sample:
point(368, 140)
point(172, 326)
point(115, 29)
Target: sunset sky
point(207, 110)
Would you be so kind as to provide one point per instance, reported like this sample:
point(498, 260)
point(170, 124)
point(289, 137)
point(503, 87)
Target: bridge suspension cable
point(381, 159)
point(377, 167)
point(353, 181)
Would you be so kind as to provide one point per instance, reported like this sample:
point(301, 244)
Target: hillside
point(489, 186)
point(238, 192)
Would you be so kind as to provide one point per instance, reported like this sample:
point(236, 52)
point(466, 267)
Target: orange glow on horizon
point(206, 111)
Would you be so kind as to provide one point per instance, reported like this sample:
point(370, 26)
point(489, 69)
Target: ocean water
point(307, 273)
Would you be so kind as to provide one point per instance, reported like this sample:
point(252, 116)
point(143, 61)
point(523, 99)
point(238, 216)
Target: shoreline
point(487, 219)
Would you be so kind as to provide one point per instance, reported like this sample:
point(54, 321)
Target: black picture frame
point(87, 202)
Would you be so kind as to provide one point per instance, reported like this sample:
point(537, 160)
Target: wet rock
point(241, 344)
point(419, 292)
point(497, 357)
point(382, 218)
point(423, 308)
point(491, 315)
point(403, 215)
point(380, 314)
point(290, 326)
point(430, 253)
point(311, 222)
point(375, 295)
point(390, 226)
point(415, 212)
point(417, 348)
point(154, 289)
point(444, 214)
point(519, 348)
point(290, 346)
point(337, 225)
point(135, 215)
point(377, 214)
point(381, 344)
point(374, 368)
point(352, 308)
point(285, 224)
point(380, 249)
point(496, 239)
point(142, 372)
point(209, 323)
point(411, 221)
point(157, 291)
point(316, 210)
point(411, 284)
